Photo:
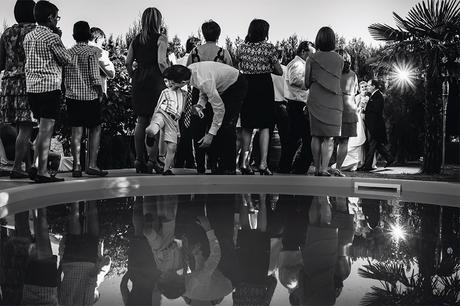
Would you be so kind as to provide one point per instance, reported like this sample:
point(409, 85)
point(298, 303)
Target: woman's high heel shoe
point(265, 171)
point(140, 166)
point(246, 171)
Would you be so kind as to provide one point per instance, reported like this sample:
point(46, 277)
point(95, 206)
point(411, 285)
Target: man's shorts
point(83, 113)
point(45, 104)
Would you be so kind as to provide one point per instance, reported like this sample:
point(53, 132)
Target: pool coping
point(30, 196)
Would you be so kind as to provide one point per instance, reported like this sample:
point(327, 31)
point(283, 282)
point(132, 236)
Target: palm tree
point(428, 37)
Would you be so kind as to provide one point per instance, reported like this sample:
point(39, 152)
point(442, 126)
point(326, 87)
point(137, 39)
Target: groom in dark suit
point(375, 125)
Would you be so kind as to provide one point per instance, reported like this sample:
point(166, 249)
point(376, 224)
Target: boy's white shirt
point(208, 283)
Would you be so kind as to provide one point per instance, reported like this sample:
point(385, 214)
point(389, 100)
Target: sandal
point(246, 171)
point(140, 166)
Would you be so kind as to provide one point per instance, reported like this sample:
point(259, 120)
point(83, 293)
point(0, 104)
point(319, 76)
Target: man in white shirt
point(299, 126)
point(224, 88)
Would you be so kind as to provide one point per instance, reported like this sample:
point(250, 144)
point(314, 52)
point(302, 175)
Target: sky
point(184, 17)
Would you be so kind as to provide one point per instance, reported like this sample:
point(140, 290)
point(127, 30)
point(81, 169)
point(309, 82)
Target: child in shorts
point(84, 95)
point(168, 112)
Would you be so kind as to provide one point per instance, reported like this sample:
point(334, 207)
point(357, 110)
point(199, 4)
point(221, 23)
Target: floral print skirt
point(14, 105)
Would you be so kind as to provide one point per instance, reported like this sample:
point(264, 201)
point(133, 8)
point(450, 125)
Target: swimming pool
point(281, 239)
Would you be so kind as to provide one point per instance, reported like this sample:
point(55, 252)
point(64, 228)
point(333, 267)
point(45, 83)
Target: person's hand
point(206, 141)
point(197, 110)
point(204, 223)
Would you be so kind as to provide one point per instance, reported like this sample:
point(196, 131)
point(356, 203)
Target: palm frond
point(385, 32)
point(378, 296)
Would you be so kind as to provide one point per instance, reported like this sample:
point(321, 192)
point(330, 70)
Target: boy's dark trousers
point(184, 155)
point(299, 130)
point(282, 124)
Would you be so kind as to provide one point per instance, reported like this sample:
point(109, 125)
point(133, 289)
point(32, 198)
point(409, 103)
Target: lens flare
point(403, 75)
point(397, 232)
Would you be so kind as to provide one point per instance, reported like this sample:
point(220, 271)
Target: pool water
point(237, 249)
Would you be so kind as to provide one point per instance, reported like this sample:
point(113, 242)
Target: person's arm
point(208, 92)
point(106, 65)
point(60, 53)
point(295, 75)
point(277, 70)
point(308, 79)
point(227, 58)
point(162, 53)
point(130, 60)
point(190, 57)
point(94, 75)
point(2, 54)
point(215, 254)
point(124, 288)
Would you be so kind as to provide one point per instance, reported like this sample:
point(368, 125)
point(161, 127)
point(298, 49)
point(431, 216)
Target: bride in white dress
point(356, 155)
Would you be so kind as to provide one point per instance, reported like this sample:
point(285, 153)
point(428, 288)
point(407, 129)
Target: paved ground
point(407, 172)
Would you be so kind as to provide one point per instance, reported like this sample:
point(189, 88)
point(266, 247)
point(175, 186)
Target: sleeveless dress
point(325, 105)
point(14, 105)
point(257, 63)
point(148, 80)
point(349, 84)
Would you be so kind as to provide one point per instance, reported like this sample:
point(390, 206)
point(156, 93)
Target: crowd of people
point(207, 108)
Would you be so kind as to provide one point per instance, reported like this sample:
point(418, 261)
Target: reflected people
point(253, 251)
point(15, 254)
point(142, 270)
point(319, 252)
point(83, 266)
point(207, 222)
point(41, 276)
point(159, 229)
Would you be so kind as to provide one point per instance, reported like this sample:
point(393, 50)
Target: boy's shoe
point(168, 172)
point(150, 141)
point(18, 174)
point(153, 166)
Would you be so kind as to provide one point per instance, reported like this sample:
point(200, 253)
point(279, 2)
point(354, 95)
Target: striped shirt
point(45, 55)
point(172, 102)
point(82, 75)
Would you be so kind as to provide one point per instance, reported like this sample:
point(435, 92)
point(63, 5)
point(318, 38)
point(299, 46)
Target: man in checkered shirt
point(83, 92)
point(45, 56)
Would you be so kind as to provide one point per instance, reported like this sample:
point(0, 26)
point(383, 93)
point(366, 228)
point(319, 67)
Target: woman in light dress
point(355, 156)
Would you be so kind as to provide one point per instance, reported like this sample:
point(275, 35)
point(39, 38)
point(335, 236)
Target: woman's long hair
point(151, 24)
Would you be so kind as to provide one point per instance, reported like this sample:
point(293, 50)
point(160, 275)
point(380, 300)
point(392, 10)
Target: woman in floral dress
point(257, 61)
point(14, 106)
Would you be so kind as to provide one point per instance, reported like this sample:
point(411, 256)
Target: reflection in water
point(245, 249)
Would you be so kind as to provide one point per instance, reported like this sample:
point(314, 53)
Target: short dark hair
point(375, 82)
point(96, 33)
point(304, 45)
point(211, 30)
point(177, 73)
point(24, 11)
point(191, 43)
point(257, 31)
point(325, 39)
point(81, 31)
point(43, 9)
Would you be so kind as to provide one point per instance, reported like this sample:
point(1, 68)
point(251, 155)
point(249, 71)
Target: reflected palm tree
point(401, 289)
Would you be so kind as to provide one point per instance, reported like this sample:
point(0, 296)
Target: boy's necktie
point(188, 107)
